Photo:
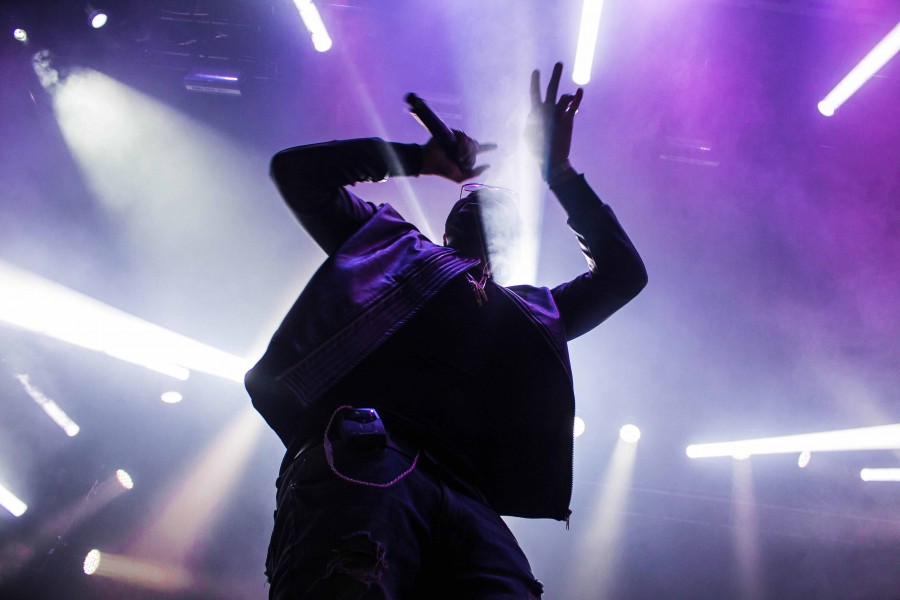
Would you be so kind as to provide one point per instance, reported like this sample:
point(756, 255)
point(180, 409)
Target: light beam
point(41, 306)
point(593, 575)
point(198, 498)
point(164, 577)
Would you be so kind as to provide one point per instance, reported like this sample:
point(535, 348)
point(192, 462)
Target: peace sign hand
point(550, 123)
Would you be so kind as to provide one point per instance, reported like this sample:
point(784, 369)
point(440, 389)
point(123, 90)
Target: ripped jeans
point(428, 536)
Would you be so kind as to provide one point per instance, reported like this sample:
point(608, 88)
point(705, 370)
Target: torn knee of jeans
point(358, 556)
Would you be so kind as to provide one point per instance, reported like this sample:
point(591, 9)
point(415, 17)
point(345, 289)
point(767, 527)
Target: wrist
point(560, 172)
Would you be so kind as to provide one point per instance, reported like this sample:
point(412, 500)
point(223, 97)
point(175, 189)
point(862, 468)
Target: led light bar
point(314, 24)
point(224, 82)
point(50, 407)
point(587, 41)
point(868, 66)
point(883, 437)
point(880, 474)
point(10, 502)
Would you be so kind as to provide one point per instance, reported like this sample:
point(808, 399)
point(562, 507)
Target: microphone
point(438, 130)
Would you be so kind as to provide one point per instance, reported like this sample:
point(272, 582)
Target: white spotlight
point(92, 561)
point(880, 474)
point(803, 459)
point(579, 426)
point(629, 434)
point(313, 21)
point(124, 479)
point(98, 19)
point(868, 66)
point(20, 34)
point(10, 502)
point(884, 437)
point(587, 41)
point(171, 397)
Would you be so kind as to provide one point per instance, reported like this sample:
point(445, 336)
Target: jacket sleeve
point(616, 273)
point(312, 181)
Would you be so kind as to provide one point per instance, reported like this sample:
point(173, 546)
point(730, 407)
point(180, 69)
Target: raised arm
point(312, 179)
point(616, 273)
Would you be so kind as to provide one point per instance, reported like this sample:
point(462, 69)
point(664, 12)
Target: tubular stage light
point(314, 24)
point(224, 82)
point(587, 41)
point(50, 407)
point(10, 502)
point(868, 66)
point(880, 474)
point(883, 437)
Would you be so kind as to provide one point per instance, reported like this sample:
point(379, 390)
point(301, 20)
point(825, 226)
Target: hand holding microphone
point(449, 153)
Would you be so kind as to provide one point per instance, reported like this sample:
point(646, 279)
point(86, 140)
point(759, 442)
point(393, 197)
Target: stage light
point(880, 474)
point(50, 407)
point(630, 434)
point(883, 437)
point(124, 479)
point(98, 18)
point(314, 24)
point(10, 502)
point(826, 108)
point(587, 41)
point(20, 34)
point(803, 459)
point(171, 397)
point(579, 426)
point(92, 561)
point(868, 66)
point(224, 82)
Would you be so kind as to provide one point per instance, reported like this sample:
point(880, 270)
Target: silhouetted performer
point(470, 381)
